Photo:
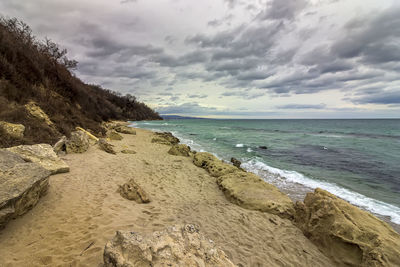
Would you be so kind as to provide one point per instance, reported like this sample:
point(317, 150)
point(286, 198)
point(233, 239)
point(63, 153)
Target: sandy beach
point(82, 211)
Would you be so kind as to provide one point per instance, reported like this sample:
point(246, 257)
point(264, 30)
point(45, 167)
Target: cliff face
point(38, 90)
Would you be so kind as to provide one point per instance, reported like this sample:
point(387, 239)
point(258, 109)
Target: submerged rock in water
point(345, 233)
point(236, 162)
point(132, 191)
point(113, 135)
point(179, 245)
point(125, 130)
point(165, 138)
point(21, 185)
point(13, 130)
point(263, 147)
point(42, 154)
point(179, 150)
point(105, 146)
point(251, 192)
point(212, 164)
point(77, 143)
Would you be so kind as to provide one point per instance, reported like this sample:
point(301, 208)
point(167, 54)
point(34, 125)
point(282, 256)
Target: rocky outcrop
point(125, 130)
point(105, 146)
point(236, 162)
point(113, 135)
point(110, 125)
point(132, 191)
point(251, 192)
point(179, 150)
point(346, 234)
point(212, 164)
point(42, 154)
point(21, 185)
point(180, 245)
point(128, 151)
point(61, 145)
point(13, 130)
point(165, 138)
point(92, 139)
point(35, 111)
point(77, 143)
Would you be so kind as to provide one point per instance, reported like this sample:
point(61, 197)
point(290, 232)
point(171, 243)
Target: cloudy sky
point(233, 58)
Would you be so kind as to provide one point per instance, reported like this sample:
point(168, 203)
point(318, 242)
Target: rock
point(165, 138)
point(128, 151)
point(113, 135)
point(179, 245)
point(179, 150)
point(105, 146)
point(92, 139)
point(212, 164)
point(35, 111)
point(263, 147)
point(77, 143)
point(236, 162)
point(21, 185)
point(133, 191)
point(345, 233)
point(13, 130)
point(60, 146)
point(42, 154)
point(125, 130)
point(251, 192)
point(111, 125)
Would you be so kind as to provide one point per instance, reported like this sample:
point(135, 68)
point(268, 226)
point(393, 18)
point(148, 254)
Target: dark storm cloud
point(383, 97)
point(301, 106)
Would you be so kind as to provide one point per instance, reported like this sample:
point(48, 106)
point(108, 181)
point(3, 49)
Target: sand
point(83, 210)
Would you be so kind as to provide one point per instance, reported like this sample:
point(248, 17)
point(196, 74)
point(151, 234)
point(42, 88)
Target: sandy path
point(83, 209)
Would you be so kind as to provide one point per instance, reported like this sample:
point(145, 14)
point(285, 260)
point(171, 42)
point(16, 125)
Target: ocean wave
point(372, 205)
point(239, 145)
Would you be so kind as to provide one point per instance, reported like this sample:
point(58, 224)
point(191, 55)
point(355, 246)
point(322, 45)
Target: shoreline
point(83, 209)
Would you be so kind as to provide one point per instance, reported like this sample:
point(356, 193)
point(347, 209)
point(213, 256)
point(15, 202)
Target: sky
point(232, 58)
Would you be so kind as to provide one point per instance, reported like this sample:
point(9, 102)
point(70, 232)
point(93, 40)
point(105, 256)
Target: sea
point(356, 159)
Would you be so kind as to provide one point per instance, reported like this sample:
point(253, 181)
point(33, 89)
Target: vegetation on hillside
point(40, 71)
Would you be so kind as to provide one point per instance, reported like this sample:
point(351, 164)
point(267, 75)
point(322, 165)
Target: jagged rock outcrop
point(113, 135)
point(179, 245)
point(345, 233)
point(132, 191)
point(61, 145)
point(105, 146)
point(128, 151)
point(179, 150)
point(236, 162)
point(42, 154)
point(165, 138)
point(125, 130)
point(21, 185)
point(77, 143)
point(212, 164)
point(12, 129)
point(251, 192)
point(35, 111)
point(92, 139)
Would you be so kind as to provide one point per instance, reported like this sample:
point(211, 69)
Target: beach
point(82, 211)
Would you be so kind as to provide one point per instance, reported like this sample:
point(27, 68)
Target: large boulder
point(113, 135)
point(61, 145)
point(77, 143)
point(251, 192)
point(35, 111)
point(212, 164)
point(42, 154)
point(165, 138)
point(21, 185)
point(345, 233)
point(180, 245)
point(179, 150)
point(125, 130)
point(92, 139)
point(106, 146)
point(132, 191)
point(13, 130)
point(236, 162)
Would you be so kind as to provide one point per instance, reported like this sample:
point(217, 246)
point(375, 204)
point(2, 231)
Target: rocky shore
point(139, 198)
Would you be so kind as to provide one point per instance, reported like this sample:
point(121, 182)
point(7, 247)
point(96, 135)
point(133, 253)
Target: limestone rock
point(251, 192)
point(165, 138)
point(77, 143)
point(13, 130)
point(128, 151)
point(345, 233)
point(60, 146)
point(35, 111)
point(125, 130)
point(113, 135)
point(21, 185)
point(111, 125)
point(105, 146)
point(179, 245)
point(132, 191)
point(92, 139)
point(236, 162)
point(179, 150)
point(42, 154)
point(212, 164)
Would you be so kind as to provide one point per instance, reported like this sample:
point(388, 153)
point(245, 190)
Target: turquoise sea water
point(358, 160)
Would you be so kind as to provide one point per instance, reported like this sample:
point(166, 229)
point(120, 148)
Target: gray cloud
point(282, 9)
point(382, 97)
point(197, 96)
point(301, 106)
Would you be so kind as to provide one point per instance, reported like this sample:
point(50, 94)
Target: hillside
point(36, 74)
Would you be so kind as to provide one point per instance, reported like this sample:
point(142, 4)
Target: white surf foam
point(373, 205)
point(239, 145)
